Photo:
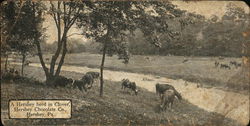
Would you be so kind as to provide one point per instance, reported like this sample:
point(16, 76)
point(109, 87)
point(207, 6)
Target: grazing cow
point(47, 59)
point(11, 70)
point(131, 85)
point(225, 66)
point(216, 63)
point(167, 99)
point(221, 58)
point(233, 63)
point(11, 74)
point(161, 88)
point(80, 84)
point(238, 65)
point(88, 79)
point(94, 75)
point(61, 81)
point(27, 62)
point(185, 60)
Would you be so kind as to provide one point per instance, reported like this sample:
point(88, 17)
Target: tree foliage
point(22, 27)
point(110, 23)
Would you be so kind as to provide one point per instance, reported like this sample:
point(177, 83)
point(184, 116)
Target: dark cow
point(94, 75)
point(27, 62)
point(233, 63)
point(167, 99)
point(238, 65)
point(161, 88)
point(11, 74)
point(216, 63)
point(131, 85)
point(62, 81)
point(11, 70)
point(80, 84)
point(225, 66)
point(185, 60)
point(88, 79)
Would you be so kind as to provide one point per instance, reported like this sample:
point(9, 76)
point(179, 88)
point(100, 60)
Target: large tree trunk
point(45, 69)
point(62, 57)
point(23, 60)
point(101, 69)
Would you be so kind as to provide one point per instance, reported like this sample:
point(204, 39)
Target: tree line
point(207, 37)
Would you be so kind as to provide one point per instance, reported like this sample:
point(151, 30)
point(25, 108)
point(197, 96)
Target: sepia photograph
point(122, 63)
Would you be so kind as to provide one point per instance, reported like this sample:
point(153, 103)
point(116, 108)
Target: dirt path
point(230, 104)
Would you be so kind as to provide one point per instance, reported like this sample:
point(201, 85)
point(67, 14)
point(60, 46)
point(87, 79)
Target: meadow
point(196, 69)
point(116, 107)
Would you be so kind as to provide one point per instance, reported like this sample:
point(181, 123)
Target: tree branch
point(64, 13)
point(72, 21)
point(74, 34)
point(53, 13)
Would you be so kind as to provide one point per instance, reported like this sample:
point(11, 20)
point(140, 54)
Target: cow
point(88, 79)
point(11, 75)
point(130, 85)
point(80, 84)
point(147, 58)
point(221, 58)
point(94, 75)
point(216, 63)
point(62, 81)
point(167, 99)
point(238, 65)
point(185, 60)
point(225, 66)
point(161, 88)
point(27, 62)
point(233, 63)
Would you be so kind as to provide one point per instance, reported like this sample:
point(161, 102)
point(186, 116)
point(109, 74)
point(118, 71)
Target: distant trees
point(224, 37)
point(202, 37)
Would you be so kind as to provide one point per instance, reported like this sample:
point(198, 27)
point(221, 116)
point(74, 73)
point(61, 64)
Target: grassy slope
point(117, 107)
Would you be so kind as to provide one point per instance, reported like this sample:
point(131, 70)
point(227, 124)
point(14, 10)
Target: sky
point(206, 8)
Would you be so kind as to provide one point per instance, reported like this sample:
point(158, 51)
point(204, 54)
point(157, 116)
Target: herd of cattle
point(166, 92)
point(227, 66)
point(84, 83)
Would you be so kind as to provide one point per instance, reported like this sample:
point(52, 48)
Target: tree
point(21, 32)
point(8, 20)
point(64, 15)
point(111, 22)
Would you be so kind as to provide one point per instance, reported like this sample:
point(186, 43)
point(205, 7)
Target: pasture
point(116, 107)
point(195, 69)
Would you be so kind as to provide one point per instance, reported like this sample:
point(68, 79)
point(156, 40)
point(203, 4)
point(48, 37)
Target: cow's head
point(136, 91)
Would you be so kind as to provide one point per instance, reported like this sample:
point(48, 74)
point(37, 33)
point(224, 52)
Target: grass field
point(117, 107)
point(196, 69)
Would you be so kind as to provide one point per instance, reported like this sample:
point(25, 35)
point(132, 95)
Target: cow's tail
point(177, 94)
